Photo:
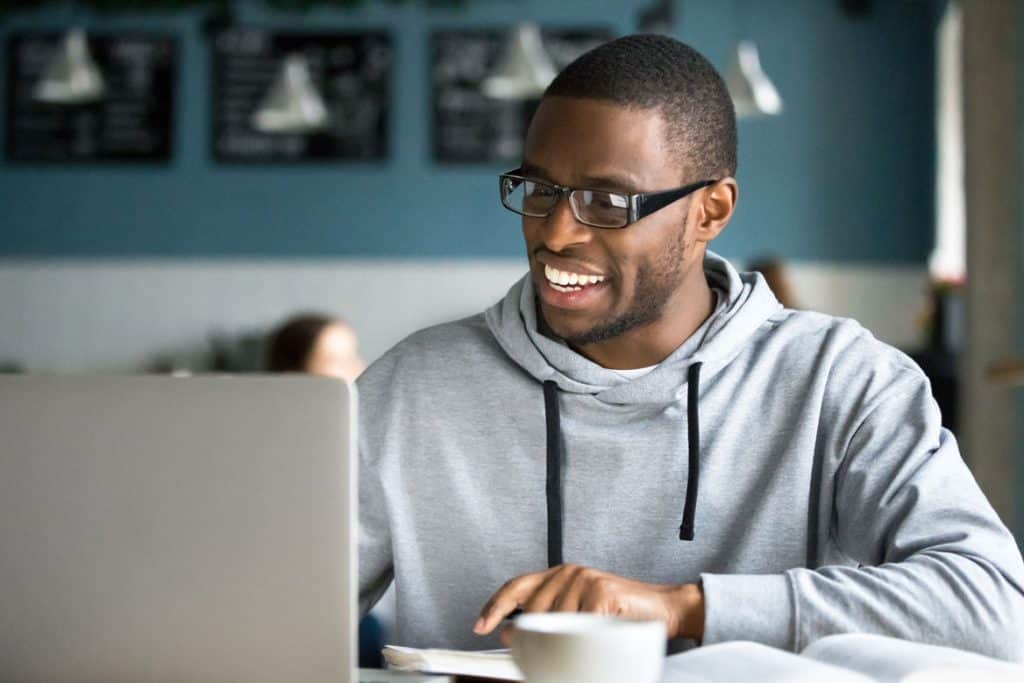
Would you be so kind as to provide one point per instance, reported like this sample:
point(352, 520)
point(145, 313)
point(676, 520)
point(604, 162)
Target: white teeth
point(567, 279)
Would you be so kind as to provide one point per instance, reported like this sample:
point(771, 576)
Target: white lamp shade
point(753, 94)
point(292, 103)
point(71, 76)
point(525, 69)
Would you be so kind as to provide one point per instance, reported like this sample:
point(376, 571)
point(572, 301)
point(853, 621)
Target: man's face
point(589, 144)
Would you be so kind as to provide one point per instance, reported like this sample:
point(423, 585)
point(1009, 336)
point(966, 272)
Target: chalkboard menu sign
point(294, 97)
point(127, 119)
point(468, 126)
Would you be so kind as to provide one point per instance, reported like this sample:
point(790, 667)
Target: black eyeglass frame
point(640, 205)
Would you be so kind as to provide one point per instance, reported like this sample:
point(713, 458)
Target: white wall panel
point(74, 315)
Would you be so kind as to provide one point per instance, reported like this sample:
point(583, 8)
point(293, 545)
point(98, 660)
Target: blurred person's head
point(641, 114)
point(775, 274)
point(316, 344)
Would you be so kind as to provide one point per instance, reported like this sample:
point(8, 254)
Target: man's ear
point(715, 207)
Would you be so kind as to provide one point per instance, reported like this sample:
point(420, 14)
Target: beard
point(656, 282)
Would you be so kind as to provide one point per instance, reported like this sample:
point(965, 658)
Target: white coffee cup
point(576, 647)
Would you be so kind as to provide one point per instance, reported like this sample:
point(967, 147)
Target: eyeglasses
point(596, 208)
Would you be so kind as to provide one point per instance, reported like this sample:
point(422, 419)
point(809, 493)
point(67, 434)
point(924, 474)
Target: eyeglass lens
point(594, 207)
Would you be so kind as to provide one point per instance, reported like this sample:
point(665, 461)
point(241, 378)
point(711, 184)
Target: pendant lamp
point(292, 103)
point(71, 76)
point(753, 94)
point(525, 69)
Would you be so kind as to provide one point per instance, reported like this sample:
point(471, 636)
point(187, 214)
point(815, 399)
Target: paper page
point(385, 676)
point(891, 660)
point(744, 661)
point(483, 663)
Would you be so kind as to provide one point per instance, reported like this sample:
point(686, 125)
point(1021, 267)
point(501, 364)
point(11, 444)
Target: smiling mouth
point(568, 281)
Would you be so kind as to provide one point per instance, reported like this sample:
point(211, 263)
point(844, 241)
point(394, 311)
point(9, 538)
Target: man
point(638, 429)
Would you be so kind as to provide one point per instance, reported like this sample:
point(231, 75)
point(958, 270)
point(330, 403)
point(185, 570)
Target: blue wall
point(844, 175)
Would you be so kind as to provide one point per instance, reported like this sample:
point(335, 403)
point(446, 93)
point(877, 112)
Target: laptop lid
point(177, 529)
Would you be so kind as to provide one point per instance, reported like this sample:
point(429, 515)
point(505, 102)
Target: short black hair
point(290, 345)
point(658, 72)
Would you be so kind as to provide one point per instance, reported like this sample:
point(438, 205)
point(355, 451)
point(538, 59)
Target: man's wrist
point(687, 606)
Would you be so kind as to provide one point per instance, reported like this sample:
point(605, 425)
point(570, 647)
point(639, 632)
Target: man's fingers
point(497, 609)
point(506, 635)
point(506, 600)
point(569, 599)
point(600, 597)
point(554, 584)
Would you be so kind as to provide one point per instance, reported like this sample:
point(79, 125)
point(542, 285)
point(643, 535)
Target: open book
point(495, 664)
point(849, 658)
point(852, 658)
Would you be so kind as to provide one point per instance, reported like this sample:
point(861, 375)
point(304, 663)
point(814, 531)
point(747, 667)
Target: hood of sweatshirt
point(748, 303)
point(744, 304)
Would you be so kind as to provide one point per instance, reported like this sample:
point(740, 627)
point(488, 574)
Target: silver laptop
point(177, 529)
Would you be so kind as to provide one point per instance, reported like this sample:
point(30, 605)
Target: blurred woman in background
point(317, 344)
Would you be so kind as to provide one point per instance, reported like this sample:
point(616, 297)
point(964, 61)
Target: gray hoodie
point(830, 499)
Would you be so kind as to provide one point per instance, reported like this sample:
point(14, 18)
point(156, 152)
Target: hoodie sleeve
point(376, 568)
point(934, 564)
point(375, 561)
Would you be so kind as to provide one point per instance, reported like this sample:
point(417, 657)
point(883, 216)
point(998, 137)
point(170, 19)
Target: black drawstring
point(686, 529)
point(693, 432)
point(554, 463)
point(554, 484)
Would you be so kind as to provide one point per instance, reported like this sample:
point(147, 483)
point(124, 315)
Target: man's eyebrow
point(528, 169)
point(619, 183)
point(610, 181)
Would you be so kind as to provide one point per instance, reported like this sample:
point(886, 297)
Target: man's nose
point(562, 230)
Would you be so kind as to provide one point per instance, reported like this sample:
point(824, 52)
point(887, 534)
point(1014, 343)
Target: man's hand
point(571, 588)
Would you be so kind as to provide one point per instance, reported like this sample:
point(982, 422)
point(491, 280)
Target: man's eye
point(604, 200)
point(540, 190)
